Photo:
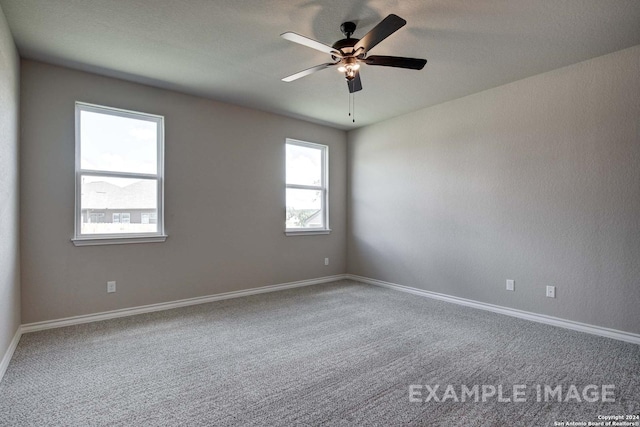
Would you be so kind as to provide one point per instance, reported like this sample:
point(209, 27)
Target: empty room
point(319, 213)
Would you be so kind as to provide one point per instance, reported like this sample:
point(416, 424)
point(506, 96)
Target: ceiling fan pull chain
point(354, 108)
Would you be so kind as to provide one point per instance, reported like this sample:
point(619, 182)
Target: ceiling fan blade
point(355, 85)
point(306, 41)
point(384, 29)
point(308, 71)
point(396, 61)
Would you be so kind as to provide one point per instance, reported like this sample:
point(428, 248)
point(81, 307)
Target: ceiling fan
point(347, 54)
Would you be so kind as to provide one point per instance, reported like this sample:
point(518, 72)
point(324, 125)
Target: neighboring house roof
point(314, 219)
point(103, 195)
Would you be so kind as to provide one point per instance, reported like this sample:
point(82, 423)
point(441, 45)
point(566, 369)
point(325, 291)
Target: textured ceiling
point(230, 50)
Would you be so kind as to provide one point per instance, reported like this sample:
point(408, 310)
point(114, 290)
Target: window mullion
point(305, 187)
point(111, 174)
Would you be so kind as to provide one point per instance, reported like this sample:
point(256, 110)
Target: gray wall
point(9, 188)
point(224, 197)
point(537, 181)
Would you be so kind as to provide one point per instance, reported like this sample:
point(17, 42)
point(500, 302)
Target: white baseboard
point(4, 364)
point(105, 315)
point(540, 318)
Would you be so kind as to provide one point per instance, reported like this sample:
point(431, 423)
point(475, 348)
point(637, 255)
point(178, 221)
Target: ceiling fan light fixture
point(349, 65)
point(349, 71)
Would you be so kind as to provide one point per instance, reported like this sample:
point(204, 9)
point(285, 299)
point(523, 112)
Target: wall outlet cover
point(511, 285)
point(551, 291)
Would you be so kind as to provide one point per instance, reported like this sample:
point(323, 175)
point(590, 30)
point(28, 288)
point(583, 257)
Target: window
point(307, 188)
point(119, 176)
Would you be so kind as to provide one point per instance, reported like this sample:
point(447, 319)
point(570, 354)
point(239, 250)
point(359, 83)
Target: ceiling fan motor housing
point(345, 46)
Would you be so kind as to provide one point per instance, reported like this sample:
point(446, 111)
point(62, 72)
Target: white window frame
point(323, 187)
point(118, 238)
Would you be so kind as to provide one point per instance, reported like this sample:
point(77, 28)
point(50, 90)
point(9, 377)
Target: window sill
point(306, 232)
point(96, 241)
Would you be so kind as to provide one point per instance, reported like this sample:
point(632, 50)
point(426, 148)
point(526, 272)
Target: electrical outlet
point(326, 261)
point(511, 285)
point(111, 286)
point(551, 291)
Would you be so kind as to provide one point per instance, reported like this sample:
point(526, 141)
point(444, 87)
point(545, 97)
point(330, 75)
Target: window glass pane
point(118, 144)
point(304, 165)
point(304, 209)
point(117, 205)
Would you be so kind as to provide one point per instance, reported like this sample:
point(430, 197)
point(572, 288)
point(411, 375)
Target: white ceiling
point(230, 50)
